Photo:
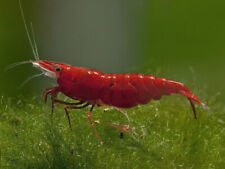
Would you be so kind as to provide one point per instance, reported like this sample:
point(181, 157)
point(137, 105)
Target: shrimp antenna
point(16, 64)
point(34, 39)
point(29, 78)
point(27, 31)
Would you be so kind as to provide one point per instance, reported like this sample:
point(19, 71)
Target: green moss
point(166, 136)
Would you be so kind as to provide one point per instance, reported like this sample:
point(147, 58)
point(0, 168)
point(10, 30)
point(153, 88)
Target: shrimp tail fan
point(180, 88)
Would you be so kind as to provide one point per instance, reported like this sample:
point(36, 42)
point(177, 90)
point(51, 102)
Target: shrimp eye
point(57, 69)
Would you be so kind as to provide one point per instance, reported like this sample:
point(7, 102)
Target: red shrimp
point(93, 87)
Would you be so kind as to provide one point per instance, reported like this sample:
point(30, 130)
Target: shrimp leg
point(68, 103)
point(124, 112)
point(92, 124)
point(73, 107)
point(48, 90)
point(54, 91)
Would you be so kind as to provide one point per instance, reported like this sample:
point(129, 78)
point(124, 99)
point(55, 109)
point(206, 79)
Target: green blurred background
point(181, 40)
